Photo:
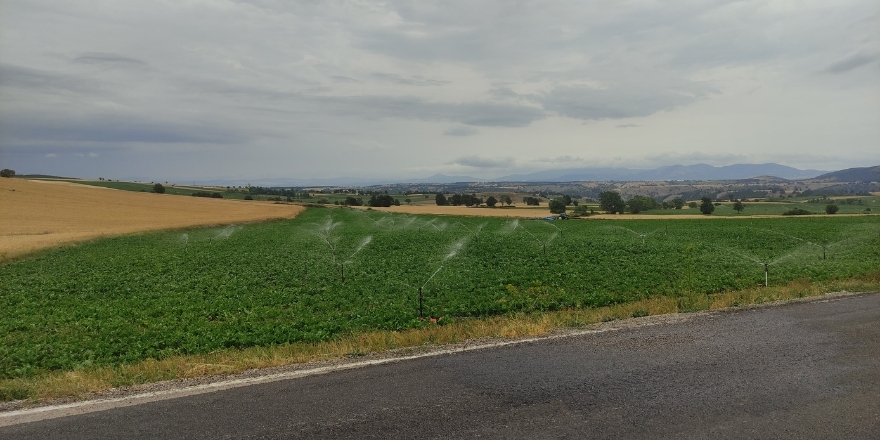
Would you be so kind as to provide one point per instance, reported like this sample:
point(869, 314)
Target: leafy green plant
point(125, 299)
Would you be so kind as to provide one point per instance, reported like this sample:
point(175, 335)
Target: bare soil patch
point(40, 214)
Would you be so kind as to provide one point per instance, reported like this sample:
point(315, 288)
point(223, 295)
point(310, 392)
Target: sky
point(227, 90)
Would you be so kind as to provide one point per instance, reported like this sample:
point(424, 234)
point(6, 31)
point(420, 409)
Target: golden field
point(39, 214)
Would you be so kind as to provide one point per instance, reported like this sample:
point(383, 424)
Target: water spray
point(475, 234)
point(542, 243)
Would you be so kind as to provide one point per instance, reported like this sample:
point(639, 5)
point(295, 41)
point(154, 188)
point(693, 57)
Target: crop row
point(332, 271)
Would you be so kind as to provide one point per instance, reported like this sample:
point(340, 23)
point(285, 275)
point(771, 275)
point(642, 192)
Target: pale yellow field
point(37, 214)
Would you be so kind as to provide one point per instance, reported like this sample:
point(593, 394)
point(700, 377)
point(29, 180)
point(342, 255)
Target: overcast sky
point(219, 89)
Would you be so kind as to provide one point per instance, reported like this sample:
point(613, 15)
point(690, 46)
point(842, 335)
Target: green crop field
point(148, 187)
point(331, 272)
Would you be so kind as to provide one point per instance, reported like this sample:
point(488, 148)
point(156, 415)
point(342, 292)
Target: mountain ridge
point(671, 172)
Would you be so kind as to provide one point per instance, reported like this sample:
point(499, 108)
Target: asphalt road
point(802, 370)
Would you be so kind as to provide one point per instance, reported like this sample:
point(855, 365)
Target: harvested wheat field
point(39, 214)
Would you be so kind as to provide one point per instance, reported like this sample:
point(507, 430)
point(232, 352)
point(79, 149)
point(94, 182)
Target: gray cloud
point(313, 87)
point(107, 58)
point(482, 162)
point(42, 81)
point(625, 101)
point(852, 61)
point(416, 80)
point(485, 114)
point(116, 129)
point(460, 131)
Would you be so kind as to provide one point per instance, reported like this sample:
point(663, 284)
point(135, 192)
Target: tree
point(158, 188)
point(507, 200)
point(706, 207)
point(566, 200)
point(831, 209)
point(465, 199)
point(638, 204)
point(738, 206)
point(6, 172)
point(557, 206)
point(692, 205)
point(611, 202)
point(531, 201)
point(351, 201)
point(382, 200)
point(491, 202)
point(678, 203)
point(440, 199)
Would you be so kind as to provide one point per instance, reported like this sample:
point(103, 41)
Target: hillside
point(866, 174)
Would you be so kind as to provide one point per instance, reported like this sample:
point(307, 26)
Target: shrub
point(207, 194)
point(248, 197)
point(707, 207)
point(797, 211)
point(6, 172)
point(557, 206)
point(831, 209)
point(158, 189)
point(351, 201)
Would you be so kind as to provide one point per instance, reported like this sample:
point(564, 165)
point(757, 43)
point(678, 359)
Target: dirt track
point(42, 214)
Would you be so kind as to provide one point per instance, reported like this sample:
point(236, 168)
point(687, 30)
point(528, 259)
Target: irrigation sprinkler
point(766, 275)
point(542, 243)
point(452, 252)
point(475, 234)
point(641, 234)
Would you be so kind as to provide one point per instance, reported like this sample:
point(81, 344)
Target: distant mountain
point(674, 172)
point(867, 174)
point(286, 182)
point(334, 181)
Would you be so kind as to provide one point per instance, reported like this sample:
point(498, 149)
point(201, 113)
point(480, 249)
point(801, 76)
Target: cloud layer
point(266, 88)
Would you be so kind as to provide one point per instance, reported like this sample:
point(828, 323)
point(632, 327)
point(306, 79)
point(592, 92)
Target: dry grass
point(80, 384)
point(42, 214)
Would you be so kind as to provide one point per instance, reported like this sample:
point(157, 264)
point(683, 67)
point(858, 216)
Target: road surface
point(800, 370)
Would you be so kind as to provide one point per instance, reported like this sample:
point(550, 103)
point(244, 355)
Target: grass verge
point(79, 384)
